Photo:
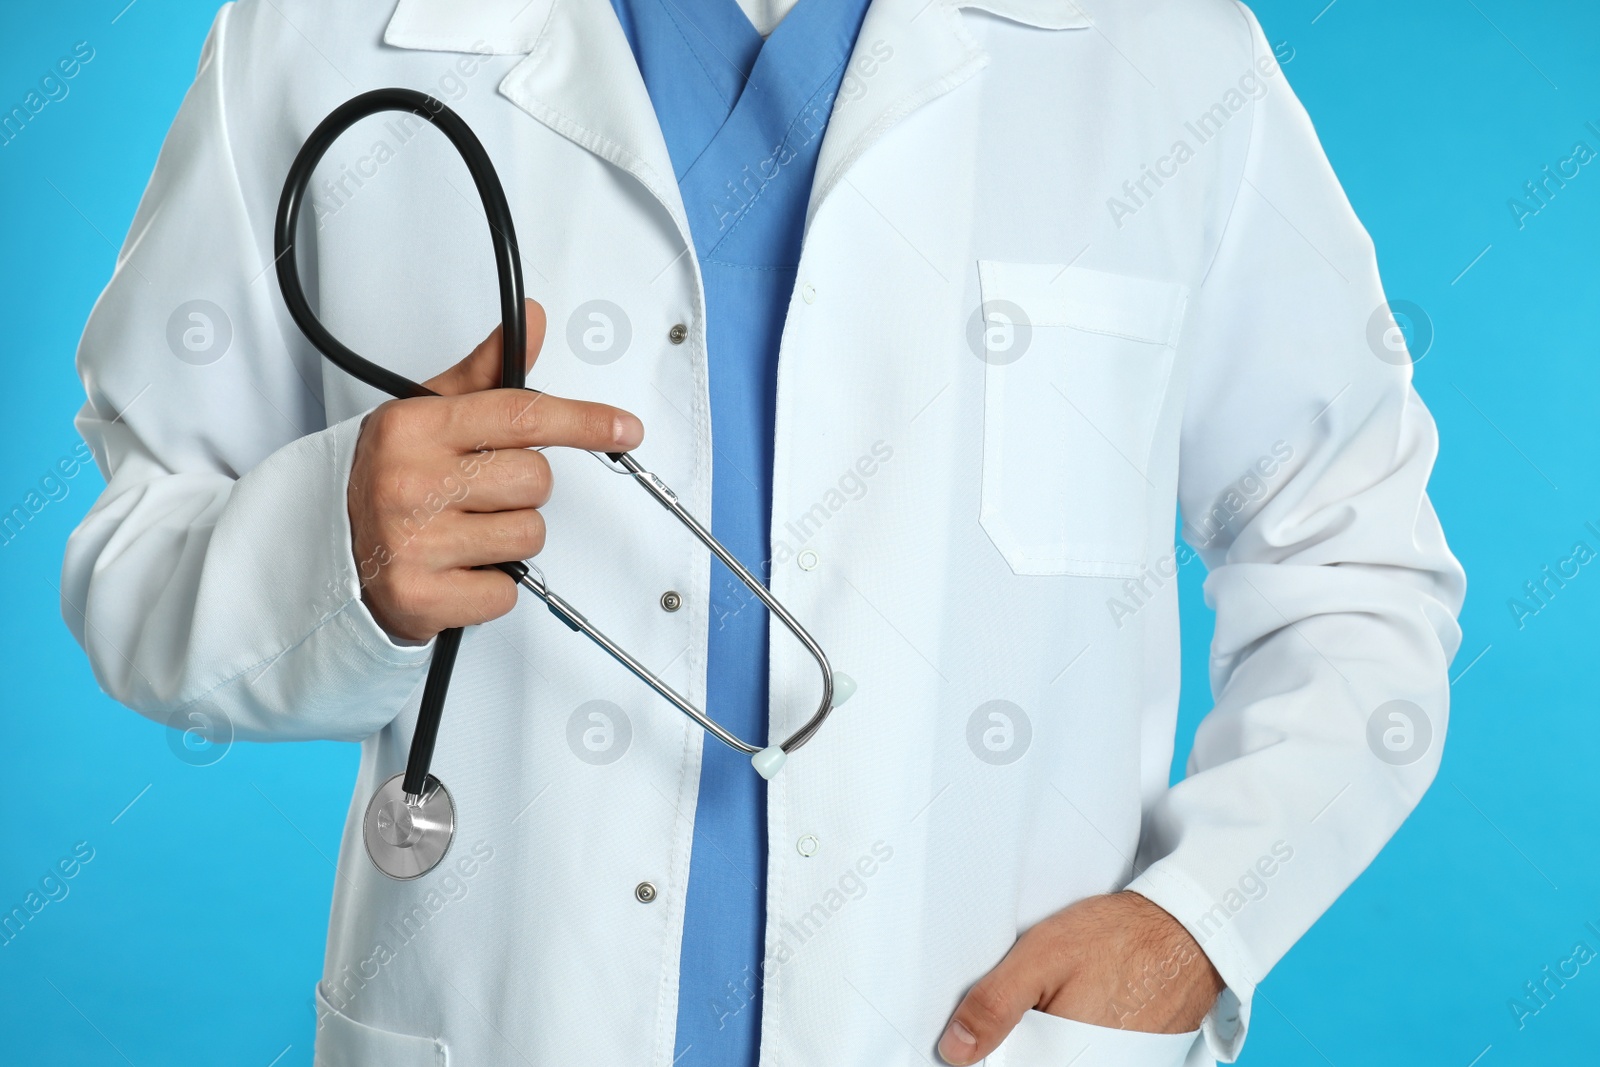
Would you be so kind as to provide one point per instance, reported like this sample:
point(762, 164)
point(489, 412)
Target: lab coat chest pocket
point(1077, 364)
point(344, 1042)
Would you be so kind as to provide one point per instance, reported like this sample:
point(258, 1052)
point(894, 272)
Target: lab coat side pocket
point(1077, 365)
point(1042, 1040)
point(343, 1042)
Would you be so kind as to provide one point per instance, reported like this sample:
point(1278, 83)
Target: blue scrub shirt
point(743, 121)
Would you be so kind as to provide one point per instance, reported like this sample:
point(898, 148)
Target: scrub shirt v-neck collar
point(742, 117)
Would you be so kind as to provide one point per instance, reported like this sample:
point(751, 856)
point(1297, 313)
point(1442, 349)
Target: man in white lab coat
point(1071, 272)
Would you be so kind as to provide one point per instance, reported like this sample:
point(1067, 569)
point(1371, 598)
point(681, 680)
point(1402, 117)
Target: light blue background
point(195, 934)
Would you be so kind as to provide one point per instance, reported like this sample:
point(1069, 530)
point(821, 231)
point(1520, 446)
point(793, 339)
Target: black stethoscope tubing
point(513, 329)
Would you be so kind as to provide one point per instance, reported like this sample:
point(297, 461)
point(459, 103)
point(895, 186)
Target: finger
point(487, 539)
point(995, 1005)
point(419, 604)
point(473, 597)
point(525, 418)
point(481, 368)
point(500, 538)
point(506, 479)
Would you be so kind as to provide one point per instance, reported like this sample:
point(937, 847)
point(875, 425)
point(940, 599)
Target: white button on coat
point(1049, 329)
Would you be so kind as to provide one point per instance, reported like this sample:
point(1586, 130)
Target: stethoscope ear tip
point(844, 687)
point(769, 761)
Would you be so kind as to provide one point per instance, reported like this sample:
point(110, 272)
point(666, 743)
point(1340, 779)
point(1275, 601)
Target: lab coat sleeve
point(214, 577)
point(1305, 455)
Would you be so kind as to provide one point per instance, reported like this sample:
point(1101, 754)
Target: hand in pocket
point(1117, 961)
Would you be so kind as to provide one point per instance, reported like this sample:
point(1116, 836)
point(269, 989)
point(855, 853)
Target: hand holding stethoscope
point(410, 821)
point(443, 488)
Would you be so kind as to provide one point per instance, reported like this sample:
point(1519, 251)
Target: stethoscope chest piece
point(406, 837)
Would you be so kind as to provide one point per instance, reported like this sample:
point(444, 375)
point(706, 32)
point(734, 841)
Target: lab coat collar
point(581, 80)
point(1041, 14)
point(513, 27)
point(932, 52)
point(497, 27)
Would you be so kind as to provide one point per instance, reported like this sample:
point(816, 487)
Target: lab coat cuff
point(1181, 897)
point(345, 583)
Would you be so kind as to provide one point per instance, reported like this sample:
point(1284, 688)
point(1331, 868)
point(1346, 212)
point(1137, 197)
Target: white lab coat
point(1166, 328)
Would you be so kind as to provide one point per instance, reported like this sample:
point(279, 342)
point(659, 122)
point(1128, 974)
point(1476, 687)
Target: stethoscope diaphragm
point(407, 836)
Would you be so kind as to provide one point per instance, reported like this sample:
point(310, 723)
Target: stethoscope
point(410, 821)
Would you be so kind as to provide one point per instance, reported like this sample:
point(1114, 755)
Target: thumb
point(994, 1006)
point(481, 369)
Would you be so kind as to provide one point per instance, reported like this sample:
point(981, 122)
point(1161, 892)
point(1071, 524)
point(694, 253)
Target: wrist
point(1176, 983)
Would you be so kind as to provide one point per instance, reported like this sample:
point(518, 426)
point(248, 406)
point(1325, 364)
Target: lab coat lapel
point(580, 77)
point(908, 53)
point(495, 27)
